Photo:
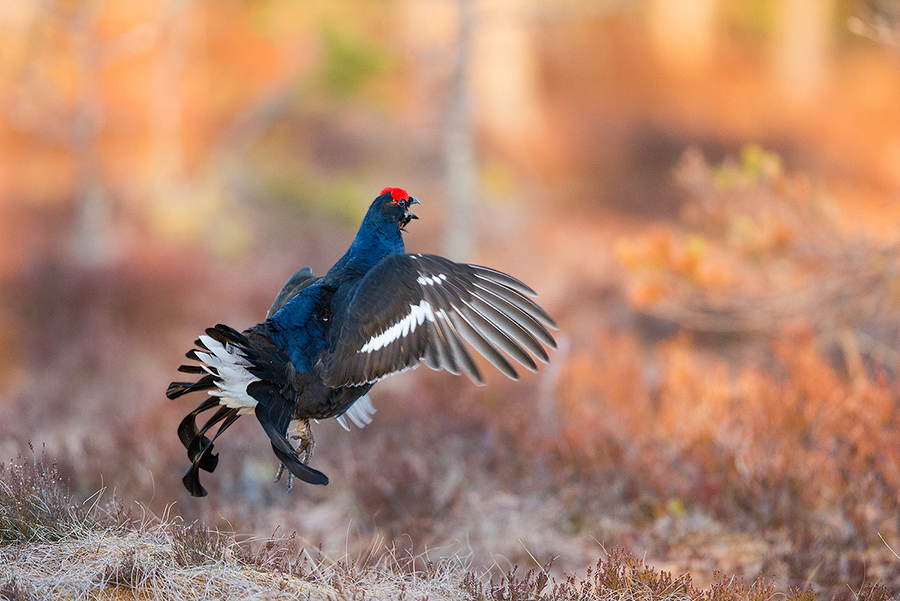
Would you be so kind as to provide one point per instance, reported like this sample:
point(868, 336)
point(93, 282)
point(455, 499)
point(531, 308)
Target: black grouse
point(327, 339)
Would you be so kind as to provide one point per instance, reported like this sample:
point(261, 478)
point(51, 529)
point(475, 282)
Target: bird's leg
point(304, 448)
point(307, 442)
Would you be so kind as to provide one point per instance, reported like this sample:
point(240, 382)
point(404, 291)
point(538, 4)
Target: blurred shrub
point(402, 487)
point(774, 405)
point(624, 576)
point(792, 434)
point(758, 248)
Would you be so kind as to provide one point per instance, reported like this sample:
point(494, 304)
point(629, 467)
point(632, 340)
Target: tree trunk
point(459, 151)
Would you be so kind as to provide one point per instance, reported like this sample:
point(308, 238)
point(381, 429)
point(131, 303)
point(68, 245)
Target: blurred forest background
point(706, 193)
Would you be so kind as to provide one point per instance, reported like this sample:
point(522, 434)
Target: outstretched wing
point(412, 308)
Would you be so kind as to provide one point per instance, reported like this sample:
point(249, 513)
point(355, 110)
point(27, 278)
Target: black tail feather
point(226, 334)
point(191, 479)
point(176, 389)
point(200, 443)
point(195, 441)
point(187, 429)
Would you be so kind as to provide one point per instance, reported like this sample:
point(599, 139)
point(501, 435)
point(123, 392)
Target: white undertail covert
point(229, 365)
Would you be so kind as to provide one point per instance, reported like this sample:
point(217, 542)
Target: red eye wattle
point(397, 194)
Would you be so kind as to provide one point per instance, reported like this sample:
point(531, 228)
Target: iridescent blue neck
point(375, 240)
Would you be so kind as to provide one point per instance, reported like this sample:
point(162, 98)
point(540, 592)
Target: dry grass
point(144, 564)
point(74, 555)
point(35, 504)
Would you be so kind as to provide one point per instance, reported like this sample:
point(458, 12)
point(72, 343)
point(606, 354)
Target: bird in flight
point(327, 339)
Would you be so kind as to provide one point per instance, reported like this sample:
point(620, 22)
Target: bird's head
point(392, 205)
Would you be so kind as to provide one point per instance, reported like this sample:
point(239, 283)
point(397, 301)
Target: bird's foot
point(290, 483)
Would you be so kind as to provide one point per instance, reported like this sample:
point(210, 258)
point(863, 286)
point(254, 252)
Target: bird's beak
point(407, 217)
point(412, 201)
